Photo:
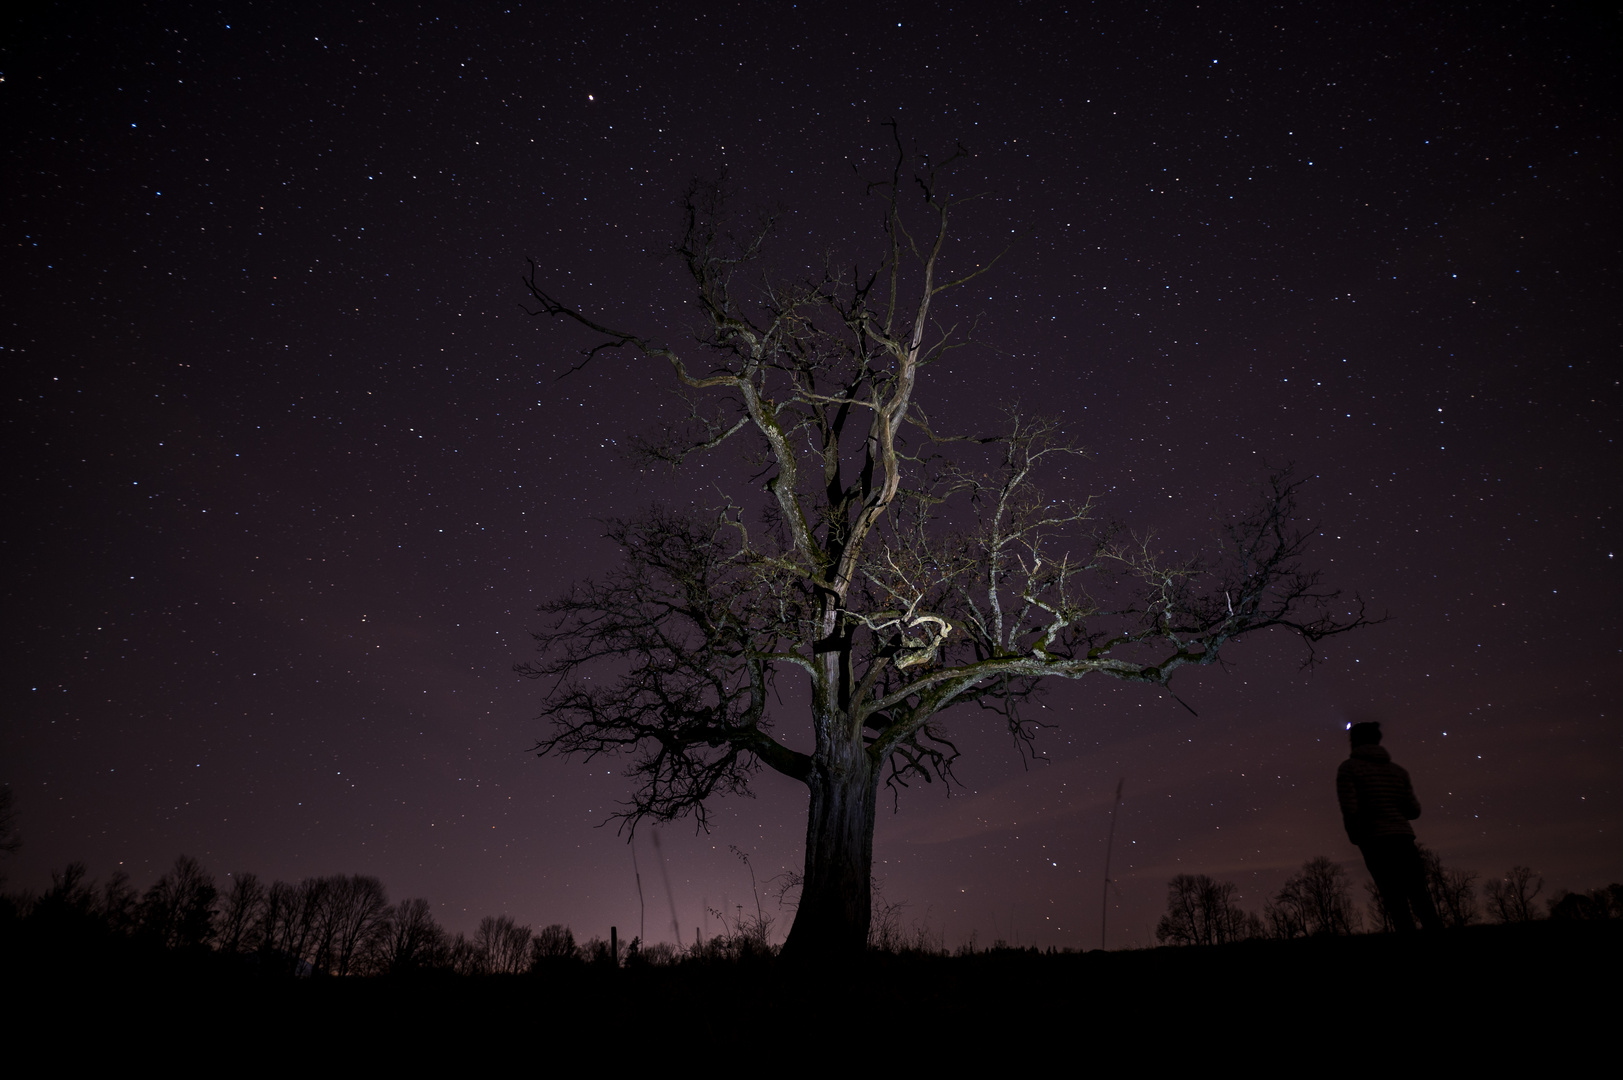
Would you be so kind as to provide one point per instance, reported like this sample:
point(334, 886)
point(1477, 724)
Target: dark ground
point(1543, 992)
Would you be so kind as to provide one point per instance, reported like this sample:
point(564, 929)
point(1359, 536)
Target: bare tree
point(1453, 891)
point(1316, 900)
point(68, 905)
point(596, 951)
point(462, 957)
point(503, 946)
point(896, 582)
point(119, 905)
point(1510, 899)
point(273, 925)
point(178, 910)
point(74, 906)
point(324, 920)
point(1185, 923)
point(290, 920)
point(413, 940)
point(352, 917)
point(241, 915)
point(1201, 911)
point(553, 944)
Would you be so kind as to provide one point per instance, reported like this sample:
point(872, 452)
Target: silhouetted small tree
point(74, 913)
point(67, 909)
point(178, 910)
point(597, 951)
point(290, 924)
point(1316, 900)
point(242, 915)
point(1201, 911)
point(349, 920)
point(502, 946)
point(553, 945)
point(412, 939)
point(1597, 905)
point(1453, 891)
point(1511, 898)
point(119, 905)
point(1378, 915)
point(461, 956)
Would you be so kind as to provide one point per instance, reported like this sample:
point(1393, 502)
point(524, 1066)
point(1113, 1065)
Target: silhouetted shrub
point(1597, 905)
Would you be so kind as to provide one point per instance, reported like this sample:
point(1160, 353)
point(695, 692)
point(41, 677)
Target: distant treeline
point(1319, 899)
point(335, 925)
point(345, 924)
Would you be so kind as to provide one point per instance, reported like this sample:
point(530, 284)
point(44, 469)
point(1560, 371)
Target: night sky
point(289, 468)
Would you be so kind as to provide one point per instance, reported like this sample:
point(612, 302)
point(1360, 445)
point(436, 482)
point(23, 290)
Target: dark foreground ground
point(1546, 993)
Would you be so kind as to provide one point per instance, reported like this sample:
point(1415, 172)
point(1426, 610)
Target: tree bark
point(836, 902)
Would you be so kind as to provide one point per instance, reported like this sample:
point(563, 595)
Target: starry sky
point(290, 467)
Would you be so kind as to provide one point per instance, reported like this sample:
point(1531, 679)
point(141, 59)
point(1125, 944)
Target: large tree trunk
point(836, 898)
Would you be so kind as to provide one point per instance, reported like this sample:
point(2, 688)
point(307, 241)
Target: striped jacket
point(1376, 796)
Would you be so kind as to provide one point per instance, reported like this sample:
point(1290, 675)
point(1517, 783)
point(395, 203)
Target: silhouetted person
point(1377, 804)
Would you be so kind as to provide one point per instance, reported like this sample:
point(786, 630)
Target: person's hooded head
point(1367, 733)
